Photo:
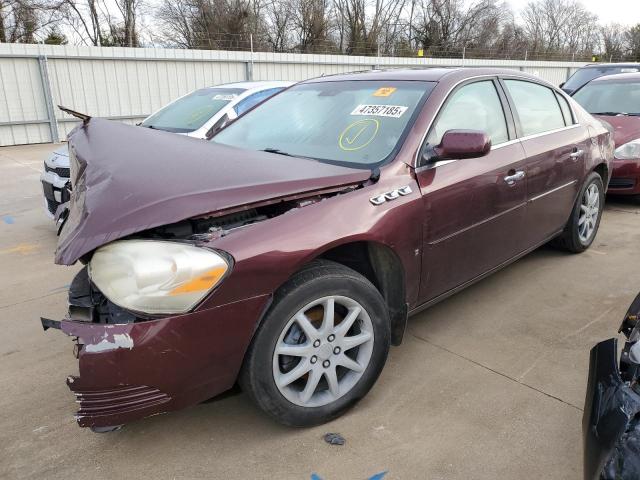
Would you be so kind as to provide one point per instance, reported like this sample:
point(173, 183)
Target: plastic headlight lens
point(155, 276)
point(628, 151)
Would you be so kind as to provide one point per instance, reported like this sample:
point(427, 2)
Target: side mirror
point(562, 84)
point(459, 144)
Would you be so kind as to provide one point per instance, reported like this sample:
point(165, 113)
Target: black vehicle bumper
point(611, 421)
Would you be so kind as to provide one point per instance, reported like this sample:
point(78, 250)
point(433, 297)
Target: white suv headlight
point(628, 151)
point(154, 277)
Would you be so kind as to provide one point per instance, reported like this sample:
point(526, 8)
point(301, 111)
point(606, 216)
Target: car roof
point(612, 65)
point(255, 85)
point(427, 74)
point(618, 78)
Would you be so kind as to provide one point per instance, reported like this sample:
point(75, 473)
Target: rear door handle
point(511, 179)
point(576, 154)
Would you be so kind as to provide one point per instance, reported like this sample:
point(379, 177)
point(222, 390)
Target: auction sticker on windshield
point(384, 91)
point(393, 111)
point(224, 96)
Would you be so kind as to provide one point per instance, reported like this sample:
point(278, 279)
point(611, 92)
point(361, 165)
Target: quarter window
point(536, 105)
point(566, 111)
point(475, 106)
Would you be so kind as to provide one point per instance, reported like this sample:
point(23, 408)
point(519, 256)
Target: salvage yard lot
point(488, 384)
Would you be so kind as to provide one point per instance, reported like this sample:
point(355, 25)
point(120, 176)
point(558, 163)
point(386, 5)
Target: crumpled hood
point(129, 179)
point(625, 128)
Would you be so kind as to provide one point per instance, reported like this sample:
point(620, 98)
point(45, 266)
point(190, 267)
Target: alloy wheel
point(589, 212)
point(323, 351)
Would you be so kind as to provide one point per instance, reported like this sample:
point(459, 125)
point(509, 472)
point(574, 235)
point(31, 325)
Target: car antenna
point(82, 116)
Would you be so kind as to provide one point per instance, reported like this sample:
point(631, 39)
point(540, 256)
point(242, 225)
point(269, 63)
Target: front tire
point(320, 348)
point(582, 227)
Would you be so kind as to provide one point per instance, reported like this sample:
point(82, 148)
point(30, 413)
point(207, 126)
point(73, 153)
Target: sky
point(626, 12)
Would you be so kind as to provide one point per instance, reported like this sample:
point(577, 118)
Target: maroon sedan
point(616, 99)
point(287, 254)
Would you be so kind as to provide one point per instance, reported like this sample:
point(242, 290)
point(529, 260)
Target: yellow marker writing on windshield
point(358, 134)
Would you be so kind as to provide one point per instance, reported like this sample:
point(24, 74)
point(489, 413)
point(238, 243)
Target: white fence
point(128, 84)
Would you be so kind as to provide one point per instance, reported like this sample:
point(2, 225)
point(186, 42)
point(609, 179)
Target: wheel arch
point(602, 169)
point(380, 264)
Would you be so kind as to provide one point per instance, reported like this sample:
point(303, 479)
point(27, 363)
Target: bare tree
point(311, 22)
point(212, 24)
point(632, 37)
point(613, 41)
point(451, 25)
point(175, 17)
point(129, 11)
point(83, 16)
point(369, 27)
point(280, 16)
point(25, 21)
point(559, 26)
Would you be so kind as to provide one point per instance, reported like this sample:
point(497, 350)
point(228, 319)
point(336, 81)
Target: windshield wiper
point(611, 114)
point(279, 152)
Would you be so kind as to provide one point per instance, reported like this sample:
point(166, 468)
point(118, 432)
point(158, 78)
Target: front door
point(474, 208)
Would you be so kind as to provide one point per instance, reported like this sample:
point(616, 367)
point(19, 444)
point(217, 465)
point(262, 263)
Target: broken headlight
point(156, 277)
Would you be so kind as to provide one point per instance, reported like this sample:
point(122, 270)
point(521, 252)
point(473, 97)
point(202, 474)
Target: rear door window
point(475, 106)
point(536, 107)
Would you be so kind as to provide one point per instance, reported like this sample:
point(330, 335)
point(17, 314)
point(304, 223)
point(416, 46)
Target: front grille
point(622, 183)
point(60, 171)
point(52, 206)
point(118, 400)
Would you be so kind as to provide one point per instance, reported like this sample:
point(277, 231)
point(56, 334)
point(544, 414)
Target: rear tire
point(320, 348)
point(583, 224)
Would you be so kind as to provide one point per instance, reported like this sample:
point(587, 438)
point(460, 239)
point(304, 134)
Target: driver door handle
point(512, 179)
point(576, 154)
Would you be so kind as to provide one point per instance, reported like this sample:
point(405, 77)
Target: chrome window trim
point(500, 145)
point(549, 132)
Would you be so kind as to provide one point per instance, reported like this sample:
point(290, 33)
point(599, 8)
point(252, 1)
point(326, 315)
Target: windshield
point(359, 123)
point(192, 111)
point(610, 98)
point(585, 75)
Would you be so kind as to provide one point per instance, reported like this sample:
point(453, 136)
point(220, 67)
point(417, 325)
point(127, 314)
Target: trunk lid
point(128, 179)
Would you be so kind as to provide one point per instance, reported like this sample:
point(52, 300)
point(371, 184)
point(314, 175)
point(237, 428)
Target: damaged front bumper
point(611, 421)
point(134, 370)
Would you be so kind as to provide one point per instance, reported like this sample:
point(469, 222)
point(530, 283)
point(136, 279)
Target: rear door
point(555, 147)
point(473, 208)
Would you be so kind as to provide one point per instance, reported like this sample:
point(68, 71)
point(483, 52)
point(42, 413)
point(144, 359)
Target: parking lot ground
point(488, 384)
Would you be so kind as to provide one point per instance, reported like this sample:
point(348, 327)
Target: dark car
point(287, 254)
point(616, 99)
point(611, 420)
point(584, 75)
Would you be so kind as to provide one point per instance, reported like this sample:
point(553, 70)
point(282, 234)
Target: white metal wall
point(128, 84)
